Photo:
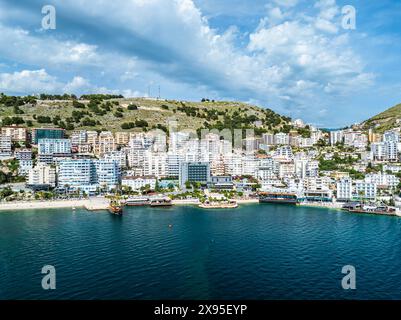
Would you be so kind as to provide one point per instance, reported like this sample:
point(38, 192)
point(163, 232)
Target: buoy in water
point(170, 225)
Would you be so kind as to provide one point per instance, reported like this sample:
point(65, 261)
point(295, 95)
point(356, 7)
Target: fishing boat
point(115, 207)
point(278, 197)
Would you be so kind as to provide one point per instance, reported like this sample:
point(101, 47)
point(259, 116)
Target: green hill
point(99, 112)
point(386, 120)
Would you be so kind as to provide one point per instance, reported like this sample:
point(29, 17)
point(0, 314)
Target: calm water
point(254, 252)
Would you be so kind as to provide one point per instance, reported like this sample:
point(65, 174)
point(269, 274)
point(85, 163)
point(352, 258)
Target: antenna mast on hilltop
point(159, 93)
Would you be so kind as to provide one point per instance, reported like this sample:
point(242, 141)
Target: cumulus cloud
point(40, 81)
point(28, 81)
point(289, 58)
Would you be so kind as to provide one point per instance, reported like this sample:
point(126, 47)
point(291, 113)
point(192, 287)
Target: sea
point(257, 251)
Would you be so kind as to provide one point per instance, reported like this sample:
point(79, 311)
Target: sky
point(292, 56)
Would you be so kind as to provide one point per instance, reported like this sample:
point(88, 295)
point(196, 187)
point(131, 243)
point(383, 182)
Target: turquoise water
point(254, 252)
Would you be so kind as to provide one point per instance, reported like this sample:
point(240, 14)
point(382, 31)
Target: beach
point(98, 203)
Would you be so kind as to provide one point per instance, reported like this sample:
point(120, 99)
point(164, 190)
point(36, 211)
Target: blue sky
point(292, 56)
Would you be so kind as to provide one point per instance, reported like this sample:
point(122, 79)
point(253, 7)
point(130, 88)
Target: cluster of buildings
point(93, 162)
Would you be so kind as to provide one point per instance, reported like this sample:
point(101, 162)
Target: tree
point(188, 185)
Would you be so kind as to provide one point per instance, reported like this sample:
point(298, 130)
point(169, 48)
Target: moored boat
point(370, 209)
point(219, 205)
point(278, 197)
point(161, 202)
point(115, 207)
point(137, 201)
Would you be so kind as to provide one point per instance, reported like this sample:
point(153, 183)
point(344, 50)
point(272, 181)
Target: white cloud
point(289, 56)
point(27, 81)
point(77, 84)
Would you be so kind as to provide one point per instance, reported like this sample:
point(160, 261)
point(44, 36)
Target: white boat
point(139, 201)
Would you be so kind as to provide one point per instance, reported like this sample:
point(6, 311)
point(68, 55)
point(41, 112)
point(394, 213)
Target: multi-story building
point(138, 182)
point(365, 190)
point(23, 154)
point(108, 173)
point(383, 180)
point(47, 133)
point(173, 164)
point(16, 133)
point(385, 151)
point(54, 146)
point(281, 139)
point(336, 137)
point(105, 144)
point(122, 138)
point(194, 172)
point(268, 139)
point(79, 137)
point(119, 156)
point(42, 177)
point(5, 146)
point(344, 189)
point(155, 164)
point(92, 137)
point(24, 167)
point(284, 152)
point(76, 173)
point(391, 136)
point(356, 139)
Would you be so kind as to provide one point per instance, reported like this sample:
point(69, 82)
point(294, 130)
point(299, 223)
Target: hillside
point(386, 120)
point(135, 114)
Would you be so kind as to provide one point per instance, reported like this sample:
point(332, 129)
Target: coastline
point(91, 204)
point(101, 204)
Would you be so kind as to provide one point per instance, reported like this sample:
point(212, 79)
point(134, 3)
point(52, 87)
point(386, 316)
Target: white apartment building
point(81, 173)
point(155, 164)
point(286, 169)
point(78, 137)
point(135, 157)
point(5, 146)
point(383, 179)
point(268, 139)
point(365, 190)
point(24, 167)
point(385, 151)
point(250, 165)
point(344, 189)
point(284, 152)
point(281, 138)
point(108, 173)
point(138, 182)
point(336, 137)
point(173, 164)
point(23, 154)
point(76, 173)
point(119, 156)
point(355, 139)
point(42, 175)
point(54, 146)
point(391, 136)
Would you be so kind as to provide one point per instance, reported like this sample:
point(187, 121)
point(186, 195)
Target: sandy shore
point(185, 202)
point(89, 204)
point(244, 201)
point(328, 205)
